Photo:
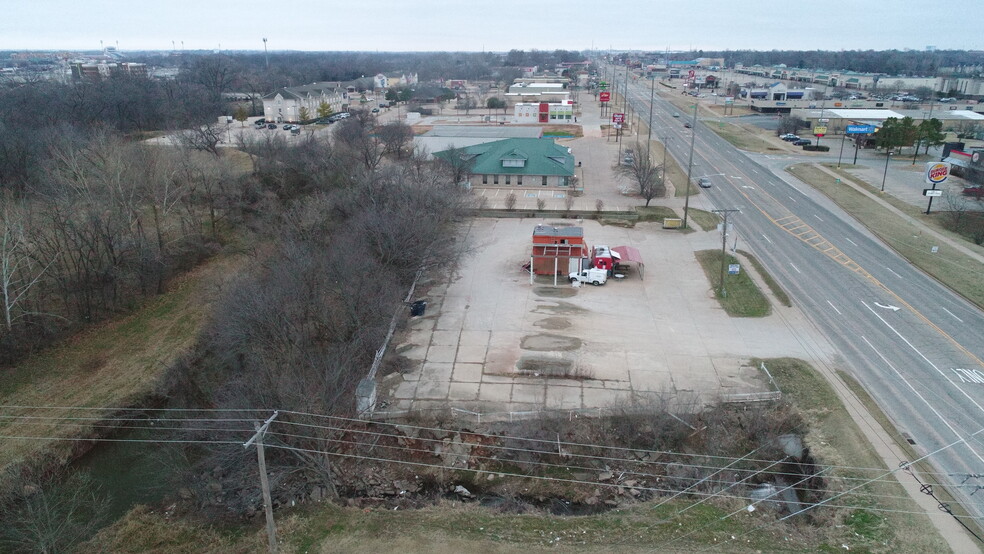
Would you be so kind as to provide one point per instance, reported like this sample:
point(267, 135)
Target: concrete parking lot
point(491, 342)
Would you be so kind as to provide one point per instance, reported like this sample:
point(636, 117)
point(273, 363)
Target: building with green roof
point(518, 162)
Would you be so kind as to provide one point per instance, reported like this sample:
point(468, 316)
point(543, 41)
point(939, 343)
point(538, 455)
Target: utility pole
point(266, 55)
point(625, 88)
point(264, 482)
point(690, 165)
point(724, 242)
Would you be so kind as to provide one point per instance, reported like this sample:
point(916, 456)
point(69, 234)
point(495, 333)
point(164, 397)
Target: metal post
point(690, 165)
point(264, 482)
point(888, 156)
point(841, 151)
point(857, 146)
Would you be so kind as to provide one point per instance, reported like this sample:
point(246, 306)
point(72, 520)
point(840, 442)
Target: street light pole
point(690, 165)
point(841, 151)
point(888, 156)
point(652, 93)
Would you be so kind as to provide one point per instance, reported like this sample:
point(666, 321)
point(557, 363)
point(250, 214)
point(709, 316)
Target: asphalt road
point(914, 345)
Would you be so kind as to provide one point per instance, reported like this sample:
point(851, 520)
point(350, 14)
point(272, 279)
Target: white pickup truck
point(594, 276)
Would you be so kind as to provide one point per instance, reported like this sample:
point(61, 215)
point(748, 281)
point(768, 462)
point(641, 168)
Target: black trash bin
point(417, 308)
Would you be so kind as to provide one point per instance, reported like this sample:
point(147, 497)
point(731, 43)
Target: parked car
point(974, 192)
point(261, 121)
point(687, 125)
point(790, 137)
point(704, 183)
point(375, 110)
point(271, 125)
point(802, 142)
point(295, 130)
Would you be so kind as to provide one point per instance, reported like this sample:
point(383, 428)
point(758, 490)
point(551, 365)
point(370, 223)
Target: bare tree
point(456, 163)
point(204, 137)
point(395, 137)
point(54, 516)
point(20, 271)
point(353, 134)
point(646, 175)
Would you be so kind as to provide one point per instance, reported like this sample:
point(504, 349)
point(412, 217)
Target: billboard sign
point(605, 96)
point(819, 131)
point(937, 172)
point(860, 129)
point(618, 118)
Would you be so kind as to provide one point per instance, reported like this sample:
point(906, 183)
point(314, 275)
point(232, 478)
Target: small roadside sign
point(819, 131)
point(618, 118)
point(932, 192)
point(605, 96)
point(733, 269)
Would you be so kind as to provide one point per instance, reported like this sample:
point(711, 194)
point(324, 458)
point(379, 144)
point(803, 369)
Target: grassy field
point(743, 298)
point(742, 137)
point(950, 266)
point(109, 365)
point(705, 220)
point(857, 521)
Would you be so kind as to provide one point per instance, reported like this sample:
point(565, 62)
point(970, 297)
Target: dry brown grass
point(116, 363)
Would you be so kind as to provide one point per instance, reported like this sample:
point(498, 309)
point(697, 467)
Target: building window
point(485, 179)
point(519, 179)
point(495, 179)
point(508, 179)
point(544, 181)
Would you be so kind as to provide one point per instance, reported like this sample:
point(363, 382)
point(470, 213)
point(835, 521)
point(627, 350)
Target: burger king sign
point(937, 172)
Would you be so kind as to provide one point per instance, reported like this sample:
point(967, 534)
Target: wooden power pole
point(264, 481)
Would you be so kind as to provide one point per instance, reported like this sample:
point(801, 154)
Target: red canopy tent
point(631, 254)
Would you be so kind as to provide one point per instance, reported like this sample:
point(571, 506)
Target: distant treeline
point(891, 62)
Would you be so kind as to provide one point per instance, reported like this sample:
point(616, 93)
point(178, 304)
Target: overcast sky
point(499, 25)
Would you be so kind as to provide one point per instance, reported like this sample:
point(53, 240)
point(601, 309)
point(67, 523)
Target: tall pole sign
point(936, 173)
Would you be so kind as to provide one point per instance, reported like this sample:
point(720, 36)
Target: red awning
point(631, 254)
point(628, 254)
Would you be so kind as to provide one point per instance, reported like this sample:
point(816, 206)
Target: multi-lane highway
point(915, 346)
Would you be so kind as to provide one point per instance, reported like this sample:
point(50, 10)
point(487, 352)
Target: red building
point(555, 247)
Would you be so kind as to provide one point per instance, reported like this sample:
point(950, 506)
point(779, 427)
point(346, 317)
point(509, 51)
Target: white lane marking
point(921, 355)
point(818, 217)
point(952, 314)
point(834, 307)
point(893, 273)
point(889, 307)
point(850, 241)
point(767, 239)
point(791, 198)
point(796, 268)
point(926, 402)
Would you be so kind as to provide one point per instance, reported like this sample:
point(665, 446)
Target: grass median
point(950, 266)
point(742, 298)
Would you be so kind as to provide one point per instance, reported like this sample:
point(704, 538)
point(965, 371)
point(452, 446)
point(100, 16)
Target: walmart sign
point(860, 129)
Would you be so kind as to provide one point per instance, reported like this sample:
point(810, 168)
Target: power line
point(553, 451)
